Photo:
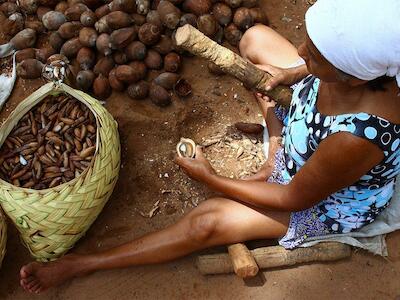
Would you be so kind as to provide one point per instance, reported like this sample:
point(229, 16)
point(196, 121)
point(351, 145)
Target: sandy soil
point(148, 137)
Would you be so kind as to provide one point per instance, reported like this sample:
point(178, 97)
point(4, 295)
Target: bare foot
point(38, 277)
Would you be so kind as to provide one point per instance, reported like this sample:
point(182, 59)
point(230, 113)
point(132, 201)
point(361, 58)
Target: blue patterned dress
point(354, 206)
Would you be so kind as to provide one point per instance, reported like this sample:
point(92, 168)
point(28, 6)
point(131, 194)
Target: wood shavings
point(211, 141)
point(152, 212)
point(261, 156)
point(239, 152)
point(243, 174)
point(236, 154)
point(246, 158)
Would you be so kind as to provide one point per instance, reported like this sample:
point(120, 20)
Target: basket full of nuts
point(3, 236)
point(59, 162)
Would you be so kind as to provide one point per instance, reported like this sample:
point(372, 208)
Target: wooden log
point(272, 257)
point(242, 260)
point(190, 39)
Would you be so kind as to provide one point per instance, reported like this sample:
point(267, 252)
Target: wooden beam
point(276, 256)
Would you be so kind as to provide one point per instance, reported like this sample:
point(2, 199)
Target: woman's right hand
point(198, 168)
point(280, 76)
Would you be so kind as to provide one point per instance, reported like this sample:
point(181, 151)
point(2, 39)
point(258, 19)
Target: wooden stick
point(189, 38)
point(272, 257)
point(242, 260)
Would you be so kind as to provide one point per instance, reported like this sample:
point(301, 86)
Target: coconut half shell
point(186, 148)
point(182, 88)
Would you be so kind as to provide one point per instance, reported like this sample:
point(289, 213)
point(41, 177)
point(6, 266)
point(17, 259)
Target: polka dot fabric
point(359, 204)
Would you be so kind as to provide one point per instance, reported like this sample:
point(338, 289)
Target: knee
point(202, 228)
point(251, 40)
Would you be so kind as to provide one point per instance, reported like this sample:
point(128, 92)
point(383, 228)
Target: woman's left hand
point(198, 168)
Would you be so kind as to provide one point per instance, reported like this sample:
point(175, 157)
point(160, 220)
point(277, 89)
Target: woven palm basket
point(51, 221)
point(3, 237)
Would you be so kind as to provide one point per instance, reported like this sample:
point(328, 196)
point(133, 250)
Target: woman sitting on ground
point(340, 157)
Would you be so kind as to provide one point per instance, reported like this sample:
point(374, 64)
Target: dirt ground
point(150, 184)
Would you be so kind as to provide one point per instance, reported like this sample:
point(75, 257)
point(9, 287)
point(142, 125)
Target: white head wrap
point(359, 37)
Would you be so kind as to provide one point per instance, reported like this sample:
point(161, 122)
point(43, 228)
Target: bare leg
point(217, 221)
point(264, 46)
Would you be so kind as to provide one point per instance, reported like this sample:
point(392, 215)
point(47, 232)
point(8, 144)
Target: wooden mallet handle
point(243, 261)
point(190, 39)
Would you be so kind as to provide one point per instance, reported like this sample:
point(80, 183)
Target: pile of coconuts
point(121, 45)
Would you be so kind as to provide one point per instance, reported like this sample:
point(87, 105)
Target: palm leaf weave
point(3, 236)
point(51, 221)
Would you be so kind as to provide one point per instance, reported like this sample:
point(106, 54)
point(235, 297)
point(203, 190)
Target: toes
point(34, 288)
point(27, 280)
point(32, 284)
point(23, 273)
point(26, 271)
point(23, 285)
point(40, 290)
point(37, 289)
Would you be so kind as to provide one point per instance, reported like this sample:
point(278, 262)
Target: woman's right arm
point(339, 161)
point(282, 76)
